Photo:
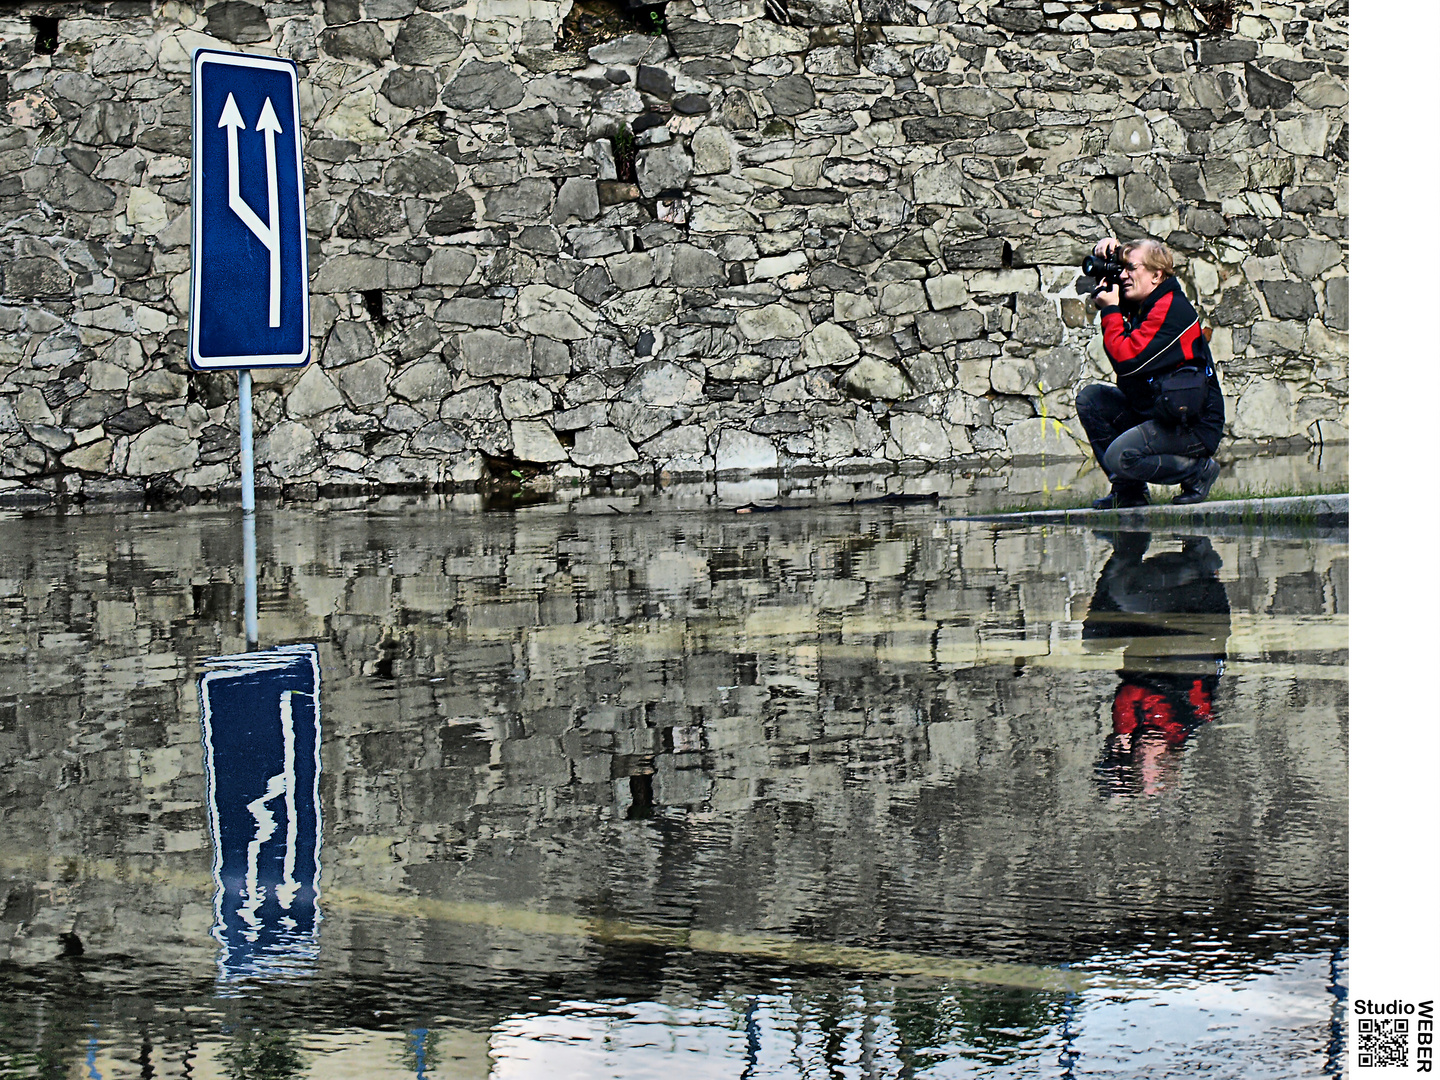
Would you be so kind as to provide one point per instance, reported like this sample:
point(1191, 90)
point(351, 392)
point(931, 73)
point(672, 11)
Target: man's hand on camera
point(1108, 295)
point(1105, 248)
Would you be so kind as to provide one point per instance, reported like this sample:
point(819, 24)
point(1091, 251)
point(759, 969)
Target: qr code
point(1384, 1043)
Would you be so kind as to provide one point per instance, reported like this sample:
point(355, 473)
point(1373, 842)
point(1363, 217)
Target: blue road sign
point(260, 718)
point(249, 284)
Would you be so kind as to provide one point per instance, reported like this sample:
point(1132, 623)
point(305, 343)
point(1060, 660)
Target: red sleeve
point(1123, 347)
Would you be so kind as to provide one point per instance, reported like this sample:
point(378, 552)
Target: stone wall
point(827, 236)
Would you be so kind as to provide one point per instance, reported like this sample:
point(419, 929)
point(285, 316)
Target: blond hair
point(1153, 256)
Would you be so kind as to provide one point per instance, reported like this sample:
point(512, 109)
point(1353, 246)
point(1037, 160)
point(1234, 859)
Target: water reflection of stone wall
point(846, 725)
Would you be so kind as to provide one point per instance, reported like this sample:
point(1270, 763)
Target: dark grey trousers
point(1132, 450)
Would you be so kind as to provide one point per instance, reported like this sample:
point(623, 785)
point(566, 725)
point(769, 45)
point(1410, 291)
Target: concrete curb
point(1320, 511)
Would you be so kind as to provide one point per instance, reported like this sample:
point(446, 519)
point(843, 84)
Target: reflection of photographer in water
point(1162, 421)
point(1173, 616)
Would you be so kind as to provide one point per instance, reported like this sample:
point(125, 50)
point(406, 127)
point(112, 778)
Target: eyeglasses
point(1134, 268)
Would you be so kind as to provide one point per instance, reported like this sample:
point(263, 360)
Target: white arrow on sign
point(269, 235)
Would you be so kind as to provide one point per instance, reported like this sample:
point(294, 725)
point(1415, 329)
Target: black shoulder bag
point(1180, 394)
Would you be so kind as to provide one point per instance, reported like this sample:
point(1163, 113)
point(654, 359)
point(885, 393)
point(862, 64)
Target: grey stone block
point(696, 268)
point(388, 9)
point(1142, 198)
point(356, 41)
point(691, 104)
point(691, 38)
point(454, 214)
point(540, 239)
point(437, 438)
point(421, 172)
point(416, 340)
point(627, 49)
point(1059, 367)
point(939, 328)
point(484, 86)
point(424, 380)
point(1218, 51)
point(130, 421)
point(357, 273)
point(32, 278)
point(120, 56)
point(1037, 322)
point(532, 127)
point(1123, 61)
point(488, 353)
point(371, 215)
point(1337, 303)
point(602, 446)
point(550, 357)
point(448, 266)
point(83, 412)
point(663, 168)
point(1016, 18)
point(594, 286)
point(70, 189)
point(365, 383)
point(578, 199)
point(108, 123)
point(1307, 199)
point(471, 311)
point(1289, 299)
point(941, 129)
point(979, 253)
point(474, 403)
point(654, 80)
point(238, 22)
point(584, 416)
point(424, 39)
point(1266, 91)
point(348, 342)
point(790, 96)
point(736, 112)
point(410, 88)
point(526, 201)
point(1237, 307)
point(876, 380)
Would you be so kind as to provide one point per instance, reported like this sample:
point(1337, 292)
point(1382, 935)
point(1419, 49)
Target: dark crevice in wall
point(47, 34)
point(591, 22)
point(375, 305)
point(1218, 14)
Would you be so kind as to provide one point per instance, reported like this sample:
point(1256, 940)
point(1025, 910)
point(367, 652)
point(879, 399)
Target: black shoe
point(1194, 491)
point(1123, 499)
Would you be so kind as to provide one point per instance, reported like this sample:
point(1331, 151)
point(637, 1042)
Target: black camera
point(1103, 268)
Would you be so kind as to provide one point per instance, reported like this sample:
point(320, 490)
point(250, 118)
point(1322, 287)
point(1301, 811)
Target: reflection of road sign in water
point(260, 714)
point(249, 302)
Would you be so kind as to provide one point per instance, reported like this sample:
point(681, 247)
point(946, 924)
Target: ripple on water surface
point(851, 791)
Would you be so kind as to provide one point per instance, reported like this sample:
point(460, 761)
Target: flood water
point(611, 787)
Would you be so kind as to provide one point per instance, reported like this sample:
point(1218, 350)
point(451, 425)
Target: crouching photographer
point(1162, 420)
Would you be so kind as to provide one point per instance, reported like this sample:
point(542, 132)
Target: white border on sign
point(198, 362)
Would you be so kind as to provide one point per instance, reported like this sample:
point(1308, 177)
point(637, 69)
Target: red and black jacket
point(1160, 333)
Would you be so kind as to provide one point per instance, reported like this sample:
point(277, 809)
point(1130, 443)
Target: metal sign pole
point(247, 446)
point(252, 608)
point(247, 506)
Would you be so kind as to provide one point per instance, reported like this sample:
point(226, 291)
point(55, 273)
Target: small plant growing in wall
point(623, 142)
point(1218, 14)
